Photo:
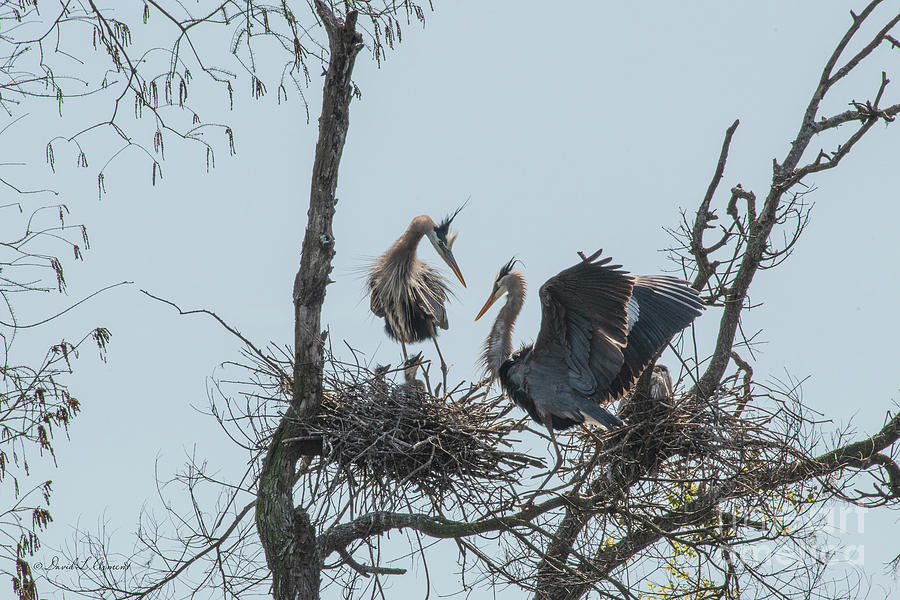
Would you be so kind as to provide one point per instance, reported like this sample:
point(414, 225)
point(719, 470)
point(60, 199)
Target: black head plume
point(505, 269)
point(443, 228)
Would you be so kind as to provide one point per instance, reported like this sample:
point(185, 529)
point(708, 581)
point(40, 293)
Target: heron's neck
point(498, 346)
point(409, 241)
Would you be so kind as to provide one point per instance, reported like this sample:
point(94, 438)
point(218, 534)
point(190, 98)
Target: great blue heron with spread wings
point(409, 293)
point(600, 327)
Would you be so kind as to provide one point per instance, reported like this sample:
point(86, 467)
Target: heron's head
point(506, 280)
point(412, 365)
point(442, 239)
point(661, 386)
point(662, 371)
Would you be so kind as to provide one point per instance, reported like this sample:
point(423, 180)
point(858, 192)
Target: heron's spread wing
point(584, 326)
point(659, 308)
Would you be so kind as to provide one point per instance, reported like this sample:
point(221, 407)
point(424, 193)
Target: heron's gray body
point(410, 295)
point(600, 327)
point(549, 399)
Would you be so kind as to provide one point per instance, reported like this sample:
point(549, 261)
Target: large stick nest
point(387, 437)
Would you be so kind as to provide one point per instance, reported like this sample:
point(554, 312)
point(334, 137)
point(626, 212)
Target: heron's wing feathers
point(431, 294)
point(659, 308)
point(584, 325)
point(374, 301)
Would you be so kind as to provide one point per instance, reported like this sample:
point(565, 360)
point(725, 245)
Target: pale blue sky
point(572, 128)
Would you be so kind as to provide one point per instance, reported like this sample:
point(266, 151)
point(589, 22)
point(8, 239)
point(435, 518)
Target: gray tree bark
point(287, 535)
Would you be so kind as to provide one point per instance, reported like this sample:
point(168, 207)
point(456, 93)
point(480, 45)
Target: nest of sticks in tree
point(386, 436)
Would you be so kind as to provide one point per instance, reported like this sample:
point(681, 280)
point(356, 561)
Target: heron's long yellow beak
point(487, 305)
point(451, 262)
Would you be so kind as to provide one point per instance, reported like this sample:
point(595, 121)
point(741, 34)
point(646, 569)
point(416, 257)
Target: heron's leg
point(403, 345)
point(443, 364)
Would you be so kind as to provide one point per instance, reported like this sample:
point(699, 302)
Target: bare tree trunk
point(287, 535)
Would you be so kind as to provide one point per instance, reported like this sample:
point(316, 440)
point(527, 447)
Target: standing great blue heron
point(409, 293)
point(600, 327)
